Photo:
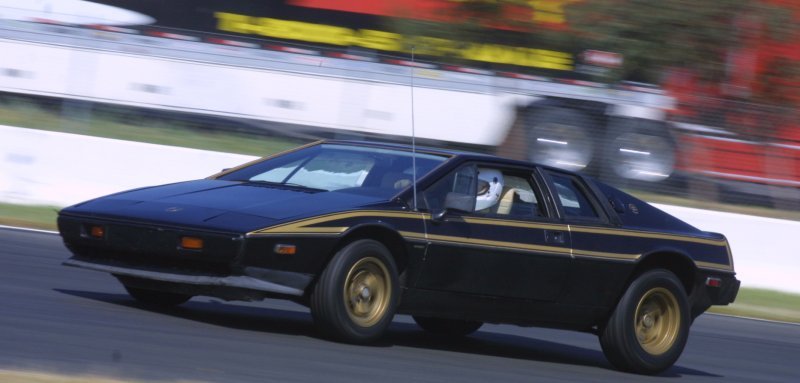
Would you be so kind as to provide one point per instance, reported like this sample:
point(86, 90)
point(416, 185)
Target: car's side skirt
point(497, 310)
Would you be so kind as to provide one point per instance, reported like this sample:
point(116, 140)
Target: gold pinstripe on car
point(315, 226)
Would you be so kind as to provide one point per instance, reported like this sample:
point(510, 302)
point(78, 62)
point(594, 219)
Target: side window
point(572, 197)
point(508, 194)
point(457, 187)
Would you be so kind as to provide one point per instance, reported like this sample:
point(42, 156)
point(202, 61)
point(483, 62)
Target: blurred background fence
point(253, 79)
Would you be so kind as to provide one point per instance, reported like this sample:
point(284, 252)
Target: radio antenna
point(413, 134)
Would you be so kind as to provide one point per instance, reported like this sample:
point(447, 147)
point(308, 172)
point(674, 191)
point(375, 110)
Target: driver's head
point(490, 185)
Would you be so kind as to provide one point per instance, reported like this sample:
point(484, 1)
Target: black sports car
point(361, 231)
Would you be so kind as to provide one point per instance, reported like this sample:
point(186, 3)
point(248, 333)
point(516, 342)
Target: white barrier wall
point(48, 168)
point(764, 249)
point(297, 98)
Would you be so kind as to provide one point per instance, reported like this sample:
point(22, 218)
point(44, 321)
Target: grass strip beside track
point(186, 134)
point(763, 304)
point(34, 217)
point(14, 376)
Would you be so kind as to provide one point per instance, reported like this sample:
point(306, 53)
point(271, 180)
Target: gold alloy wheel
point(658, 321)
point(367, 291)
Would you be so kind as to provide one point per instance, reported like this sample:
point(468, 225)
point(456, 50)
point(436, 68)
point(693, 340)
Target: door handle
point(558, 237)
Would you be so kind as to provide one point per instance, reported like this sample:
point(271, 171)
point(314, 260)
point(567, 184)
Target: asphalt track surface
point(73, 321)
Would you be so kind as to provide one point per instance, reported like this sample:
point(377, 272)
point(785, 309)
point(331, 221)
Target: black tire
point(447, 327)
point(560, 137)
point(648, 330)
point(355, 298)
point(157, 298)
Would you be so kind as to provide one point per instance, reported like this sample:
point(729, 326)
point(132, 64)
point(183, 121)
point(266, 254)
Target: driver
point(490, 185)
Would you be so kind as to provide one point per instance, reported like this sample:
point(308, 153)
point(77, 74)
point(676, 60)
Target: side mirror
point(464, 203)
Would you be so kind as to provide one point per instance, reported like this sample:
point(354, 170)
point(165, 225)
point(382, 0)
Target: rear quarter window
point(636, 213)
point(572, 198)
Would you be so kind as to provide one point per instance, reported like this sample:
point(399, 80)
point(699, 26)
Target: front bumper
point(243, 282)
point(152, 257)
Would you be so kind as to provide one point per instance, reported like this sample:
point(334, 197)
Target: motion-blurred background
point(679, 101)
point(686, 104)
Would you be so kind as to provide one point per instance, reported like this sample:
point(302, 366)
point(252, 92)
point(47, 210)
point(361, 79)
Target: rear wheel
point(447, 327)
point(355, 297)
point(648, 330)
point(157, 298)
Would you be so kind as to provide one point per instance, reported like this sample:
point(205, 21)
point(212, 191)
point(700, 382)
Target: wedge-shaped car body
point(361, 231)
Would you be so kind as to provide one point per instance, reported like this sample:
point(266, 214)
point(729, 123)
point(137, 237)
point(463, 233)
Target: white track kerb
point(48, 168)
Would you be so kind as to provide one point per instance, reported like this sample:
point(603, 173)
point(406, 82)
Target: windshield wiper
point(289, 184)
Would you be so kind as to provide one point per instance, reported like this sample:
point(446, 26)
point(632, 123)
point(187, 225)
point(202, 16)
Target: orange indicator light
point(285, 249)
point(192, 243)
point(97, 231)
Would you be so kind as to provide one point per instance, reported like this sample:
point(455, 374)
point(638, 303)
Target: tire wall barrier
point(48, 168)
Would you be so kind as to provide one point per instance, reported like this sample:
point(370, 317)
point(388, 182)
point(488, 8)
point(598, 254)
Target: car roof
point(431, 150)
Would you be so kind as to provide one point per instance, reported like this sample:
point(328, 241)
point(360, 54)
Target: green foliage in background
point(653, 35)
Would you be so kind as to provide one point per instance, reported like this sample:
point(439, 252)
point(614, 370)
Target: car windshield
point(339, 167)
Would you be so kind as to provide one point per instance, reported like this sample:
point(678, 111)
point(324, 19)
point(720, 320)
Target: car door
point(447, 234)
point(602, 258)
point(511, 246)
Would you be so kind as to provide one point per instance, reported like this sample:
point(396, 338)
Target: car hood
point(219, 205)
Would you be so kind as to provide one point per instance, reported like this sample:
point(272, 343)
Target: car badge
point(633, 208)
point(173, 209)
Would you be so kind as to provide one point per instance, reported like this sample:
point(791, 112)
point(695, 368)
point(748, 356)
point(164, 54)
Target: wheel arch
point(380, 232)
point(672, 260)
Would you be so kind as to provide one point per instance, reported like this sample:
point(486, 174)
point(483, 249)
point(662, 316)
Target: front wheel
point(648, 330)
point(355, 297)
